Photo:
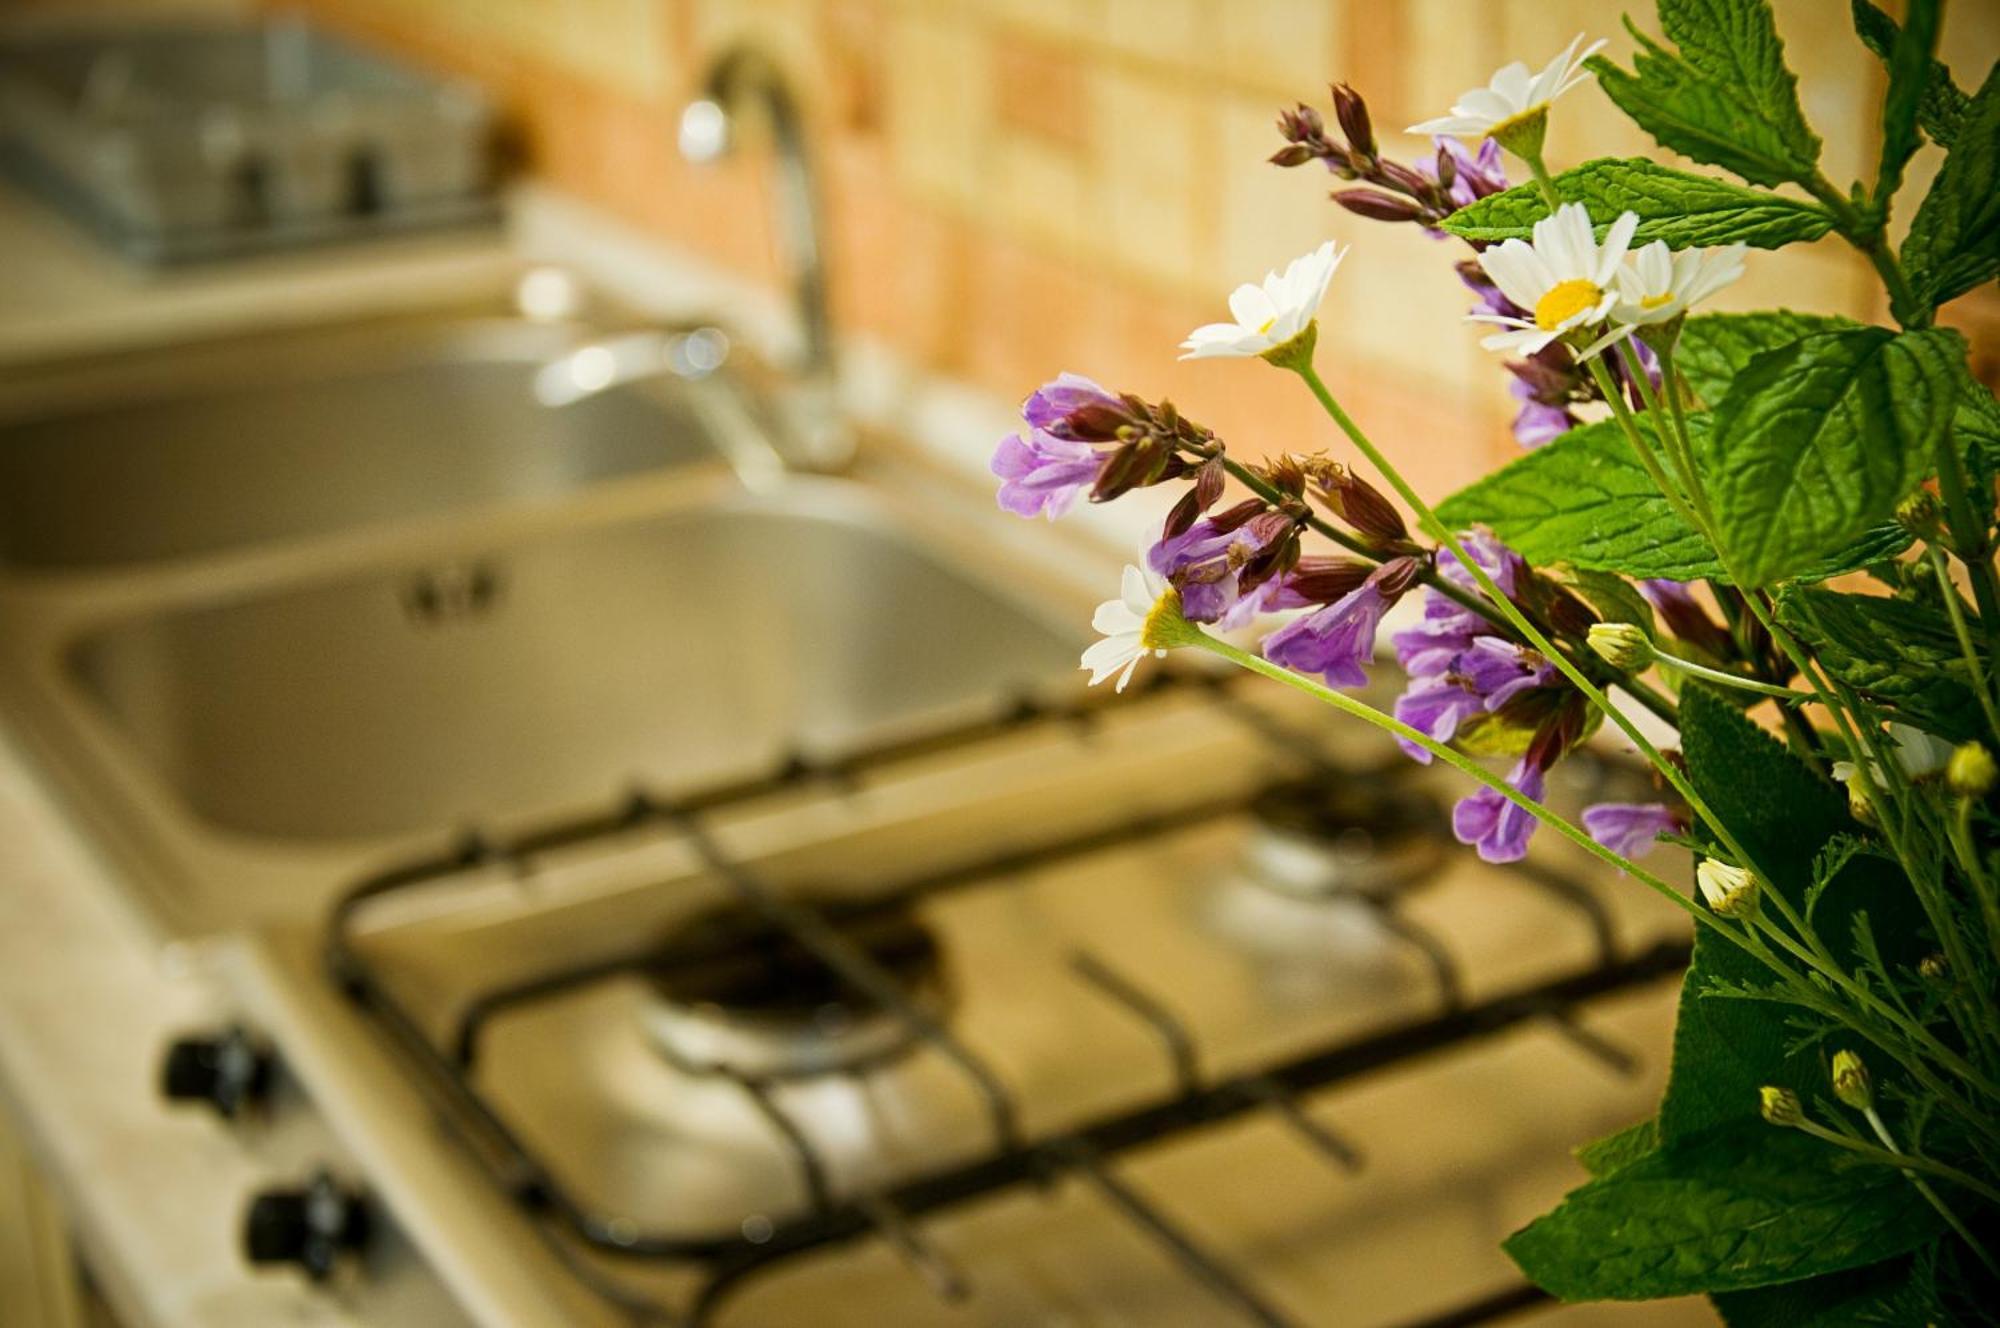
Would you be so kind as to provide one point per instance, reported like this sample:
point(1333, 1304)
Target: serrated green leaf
point(1726, 98)
point(1954, 241)
point(1601, 1157)
point(1584, 499)
point(1613, 597)
point(1900, 654)
point(1714, 348)
point(1685, 210)
point(1909, 76)
point(1815, 443)
point(1733, 1208)
point(1942, 105)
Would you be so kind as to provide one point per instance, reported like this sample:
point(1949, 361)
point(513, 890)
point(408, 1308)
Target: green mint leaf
point(1909, 80)
point(1714, 347)
point(1943, 104)
point(1614, 598)
point(1954, 241)
point(1726, 98)
point(1891, 1294)
point(1900, 654)
point(1601, 1157)
point(1584, 499)
point(1685, 210)
point(1815, 443)
point(1738, 1207)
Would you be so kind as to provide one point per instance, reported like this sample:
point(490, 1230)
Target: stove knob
point(229, 1071)
point(310, 1227)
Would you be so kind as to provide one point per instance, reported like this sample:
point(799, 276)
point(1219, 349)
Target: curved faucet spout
point(708, 131)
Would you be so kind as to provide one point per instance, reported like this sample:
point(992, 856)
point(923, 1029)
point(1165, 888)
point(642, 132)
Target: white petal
point(1515, 268)
point(1489, 107)
point(1655, 264)
point(1251, 306)
point(1616, 241)
point(1126, 676)
point(1512, 84)
point(1113, 617)
point(1450, 124)
point(1137, 593)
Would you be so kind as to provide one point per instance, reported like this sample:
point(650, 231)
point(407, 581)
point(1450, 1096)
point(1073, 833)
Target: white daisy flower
point(1513, 95)
point(1730, 891)
point(1917, 752)
point(1659, 285)
point(1565, 279)
point(1269, 315)
point(1124, 621)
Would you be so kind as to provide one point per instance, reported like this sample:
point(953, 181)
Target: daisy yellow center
point(1517, 119)
point(1564, 301)
point(1166, 626)
point(1655, 301)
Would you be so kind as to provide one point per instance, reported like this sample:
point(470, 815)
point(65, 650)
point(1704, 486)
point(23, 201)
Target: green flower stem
point(1466, 765)
point(1881, 1129)
point(1897, 1158)
point(1960, 827)
point(1955, 611)
point(1249, 479)
point(1970, 536)
point(1721, 678)
point(1855, 229)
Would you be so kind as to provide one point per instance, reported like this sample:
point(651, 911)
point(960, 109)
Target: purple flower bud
point(1206, 564)
point(1352, 112)
point(1359, 503)
point(1536, 423)
point(1075, 408)
point(1041, 475)
point(1630, 829)
point(1378, 206)
point(1466, 176)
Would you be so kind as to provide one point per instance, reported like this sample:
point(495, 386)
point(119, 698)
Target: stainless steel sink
point(310, 436)
point(665, 653)
point(276, 612)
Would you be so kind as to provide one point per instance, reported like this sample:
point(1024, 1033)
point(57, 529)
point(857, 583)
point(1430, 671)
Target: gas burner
point(761, 1006)
point(1368, 836)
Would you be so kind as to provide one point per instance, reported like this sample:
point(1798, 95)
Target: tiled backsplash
point(1020, 186)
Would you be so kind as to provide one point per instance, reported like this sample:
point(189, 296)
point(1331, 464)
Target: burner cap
point(1366, 834)
point(734, 993)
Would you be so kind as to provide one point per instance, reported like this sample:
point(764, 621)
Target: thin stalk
point(1970, 537)
point(1975, 871)
point(1881, 1129)
point(1737, 680)
point(1956, 612)
point(1875, 247)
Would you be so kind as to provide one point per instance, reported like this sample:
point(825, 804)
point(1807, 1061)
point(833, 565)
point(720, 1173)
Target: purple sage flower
point(1474, 174)
point(1446, 689)
point(1494, 558)
point(1335, 641)
point(1497, 828)
point(1630, 829)
point(1053, 406)
point(1206, 563)
point(1041, 474)
point(1537, 423)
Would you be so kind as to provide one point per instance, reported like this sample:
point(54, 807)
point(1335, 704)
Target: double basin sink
point(270, 609)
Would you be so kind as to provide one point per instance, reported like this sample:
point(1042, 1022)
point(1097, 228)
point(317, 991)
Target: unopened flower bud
point(1378, 206)
point(1357, 502)
point(1352, 113)
point(1850, 1081)
point(1971, 772)
point(1933, 968)
point(1921, 515)
point(1859, 805)
point(1730, 891)
point(1624, 646)
point(1780, 1106)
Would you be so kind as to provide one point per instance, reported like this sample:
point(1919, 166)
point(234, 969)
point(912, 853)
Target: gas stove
point(1179, 1007)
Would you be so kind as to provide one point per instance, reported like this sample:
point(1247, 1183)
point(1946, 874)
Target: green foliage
point(1909, 79)
point(1614, 598)
point(1584, 499)
point(1601, 1157)
point(1816, 442)
point(1735, 1207)
point(1942, 105)
point(1898, 653)
point(1891, 1294)
point(1954, 241)
point(1682, 209)
point(1726, 98)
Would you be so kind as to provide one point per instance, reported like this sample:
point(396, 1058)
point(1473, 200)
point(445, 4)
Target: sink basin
point(288, 441)
point(561, 669)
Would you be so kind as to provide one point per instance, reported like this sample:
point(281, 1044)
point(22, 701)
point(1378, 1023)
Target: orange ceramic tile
point(1038, 89)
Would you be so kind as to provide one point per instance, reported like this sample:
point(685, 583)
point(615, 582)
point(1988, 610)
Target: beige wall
point(1022, 186)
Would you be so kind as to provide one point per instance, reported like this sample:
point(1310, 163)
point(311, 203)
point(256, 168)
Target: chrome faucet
point(813, 433)
point(708, 131)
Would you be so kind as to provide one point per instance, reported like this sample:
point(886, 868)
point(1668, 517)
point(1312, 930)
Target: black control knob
point(229, 1071)
point(310, 1228)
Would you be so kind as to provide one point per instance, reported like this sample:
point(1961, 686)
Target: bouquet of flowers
point(1773, 531)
